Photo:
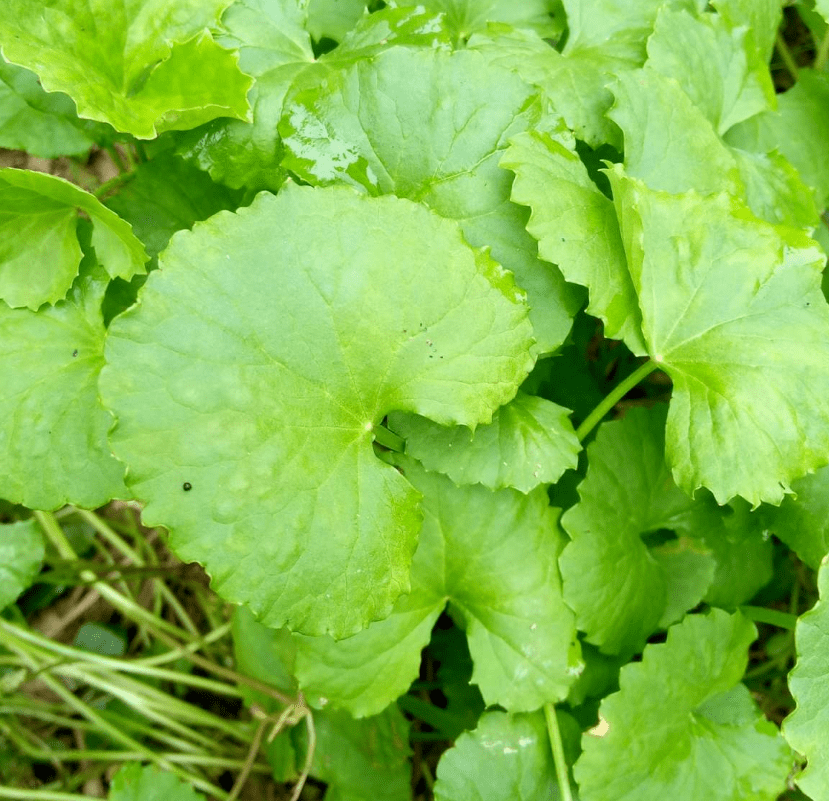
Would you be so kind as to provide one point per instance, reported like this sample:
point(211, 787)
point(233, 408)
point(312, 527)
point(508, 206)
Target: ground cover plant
point(477, 350)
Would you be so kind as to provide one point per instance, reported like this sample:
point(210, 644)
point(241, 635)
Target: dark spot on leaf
point(187, 486)
point(74, 352)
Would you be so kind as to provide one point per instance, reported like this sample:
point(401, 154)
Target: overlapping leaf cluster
point(370, 233)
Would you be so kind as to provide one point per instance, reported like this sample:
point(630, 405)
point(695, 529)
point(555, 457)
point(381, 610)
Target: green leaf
point(507, 756)
point(762, 18)
point(669, 144)
point(615, 585)
point(807, 728)
point(741, 547)
point(365, 673)
point(458, 113)
point(99, 638)
point(715, 64)
point(805, 109)
point(53, 429)
point(41, 123)
point(599, 678)
point(604, 40)
point(465, 17)
point(682, 725)
point(40, 254)
point(240, 154)
point(262, 653)
point(268, 655)
point(135, 782)
point(464, 703)
point(530, 441)
point(774, 190)
point(267, 33)
point(802, 520)
point(575, 84)
point(726, 301)
point(490, 554)
point(258, 362)
point(275, 48)
point(333, 19)
point(672, 146)
point(620, 29)
point(409, 26)
point(362, 759)
point(21, 557)
point(166, 195)
point(153, 68)
point(576, 228)
point(688, 567)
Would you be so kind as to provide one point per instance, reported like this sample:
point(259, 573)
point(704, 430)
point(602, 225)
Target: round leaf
point(683, 727)
point(40, 254)
point(530, 441)
point(616, 586)
point(53, 429)
point(807, 728)
point(496, 557)
point(802, 521)
point(457, 112)
point(248, 381)
point(733, 311)
point(144, 66)
point(507, 756)
point(21, 557)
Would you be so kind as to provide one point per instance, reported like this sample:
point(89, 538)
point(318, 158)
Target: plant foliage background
point(477, 350)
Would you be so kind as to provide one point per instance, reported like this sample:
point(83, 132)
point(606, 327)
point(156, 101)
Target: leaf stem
point(39, 795)
point(613, 397)
point(773, 617)
point(113, 183)
point(786, 55)
point(117, 158)
point(244, 773)
point(388, 439)
point(558, 753)
point(822, 52)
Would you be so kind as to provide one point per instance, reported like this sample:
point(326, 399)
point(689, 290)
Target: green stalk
point(558, 753)
point(822, 52)
point(204, 760)
point(124, 605)
point(774, 617)
point(40, 795)
point(113, 183)
point(144, 730)
point(182, 652)
point(108, 534)
point(614, 396)
point(158, 706)
point(117, 158)
point(786, 55)
point(91, 661)
point(118, 736)
point(117, 542)
point(388, 439)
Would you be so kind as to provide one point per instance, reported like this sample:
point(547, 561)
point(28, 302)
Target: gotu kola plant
point(322, 329)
